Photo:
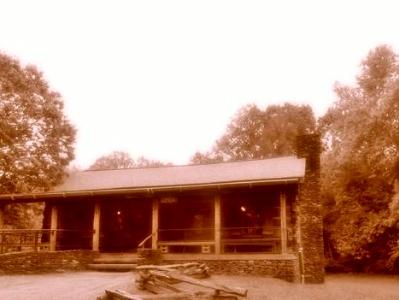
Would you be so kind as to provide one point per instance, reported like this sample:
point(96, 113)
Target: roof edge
point(39, 197)
point(293, 156)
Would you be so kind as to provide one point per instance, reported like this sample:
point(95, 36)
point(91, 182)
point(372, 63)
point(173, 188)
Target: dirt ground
point(89, 285)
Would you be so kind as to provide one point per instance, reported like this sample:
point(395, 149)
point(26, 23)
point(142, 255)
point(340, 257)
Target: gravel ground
point(89, 285)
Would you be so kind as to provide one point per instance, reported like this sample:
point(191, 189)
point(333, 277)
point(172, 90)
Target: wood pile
point(164, 282)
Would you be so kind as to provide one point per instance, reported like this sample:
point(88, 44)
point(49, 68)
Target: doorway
point(124, 224)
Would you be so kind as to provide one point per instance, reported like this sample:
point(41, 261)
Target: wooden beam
point(174, 275)
point(53, 227)
point(217, 224)
point(123, 295)
point(1, 216)
point(283, 220)
point(1, 226)
point(155, 223)
point(96, 226)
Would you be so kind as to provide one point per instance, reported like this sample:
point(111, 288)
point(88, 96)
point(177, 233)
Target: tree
point(361, 134)
point(122, 160)
point(115, 160)
point(256, 134)
point(36, 139)
point(143, 162)
point(206, 158)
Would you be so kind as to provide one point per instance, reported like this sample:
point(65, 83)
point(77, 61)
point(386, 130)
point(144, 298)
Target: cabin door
point(124, 224)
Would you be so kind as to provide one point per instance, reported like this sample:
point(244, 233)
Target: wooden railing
point(264, 239)
point(22, 240)
point(25, 240)
point(251, 239)
point(145, 241)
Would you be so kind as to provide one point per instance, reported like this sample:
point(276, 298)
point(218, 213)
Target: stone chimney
point(310, 220)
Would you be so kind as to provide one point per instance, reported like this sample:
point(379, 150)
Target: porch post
point(53, 227)
point(1, 216)
point(96, 227)
point(1, 226)
point(283, 220)
point(155, 223)
point(217, 225)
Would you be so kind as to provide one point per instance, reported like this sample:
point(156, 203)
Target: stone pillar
point(155, 223)
point(53, 227)
point(310, 220)
point(96, 226)
point(217, 225)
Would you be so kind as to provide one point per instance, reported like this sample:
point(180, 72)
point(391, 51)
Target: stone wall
point(286, 269)
point(310, 227)
point(45, 261)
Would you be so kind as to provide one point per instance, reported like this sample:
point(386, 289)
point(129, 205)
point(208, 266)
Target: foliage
point(36, 139)
point(122, 160)
point(361, 134)
point(206, 158)
point(257, 134)
point(115, 160)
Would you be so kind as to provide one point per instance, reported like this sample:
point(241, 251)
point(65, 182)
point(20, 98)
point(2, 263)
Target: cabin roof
point(273, 170)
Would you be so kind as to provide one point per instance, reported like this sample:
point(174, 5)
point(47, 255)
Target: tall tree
point(123, 160)
point(255, 134)
point(36, 139)
point(361, 133)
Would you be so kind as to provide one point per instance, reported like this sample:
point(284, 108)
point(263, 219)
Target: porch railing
point(23, 240)
point(265, 239)
point(26, 240)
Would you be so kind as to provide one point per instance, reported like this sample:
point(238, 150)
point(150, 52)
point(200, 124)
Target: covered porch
point(247, 219)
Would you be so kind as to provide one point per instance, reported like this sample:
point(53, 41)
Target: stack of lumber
point(195, 270)
point(165, 283)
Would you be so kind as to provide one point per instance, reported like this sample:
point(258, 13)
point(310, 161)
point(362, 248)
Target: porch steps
point(116, 262)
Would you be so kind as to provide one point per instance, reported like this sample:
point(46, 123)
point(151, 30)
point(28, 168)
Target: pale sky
point(164, 78)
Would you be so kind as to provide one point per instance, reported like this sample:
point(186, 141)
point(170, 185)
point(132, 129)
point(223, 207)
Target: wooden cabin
point(262, 215)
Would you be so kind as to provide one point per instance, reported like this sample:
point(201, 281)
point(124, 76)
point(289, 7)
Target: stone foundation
point(45, 261)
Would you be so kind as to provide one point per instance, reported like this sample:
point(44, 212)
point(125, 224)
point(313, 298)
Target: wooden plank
point(122, 295)
point(283, 220)
point(96, 227)
point(155, 224)
point(254, 242)
point(217, 224)
point(166, 267)
point(196, 270)
point(186, 243)
point(182, 278)
point(53, 227)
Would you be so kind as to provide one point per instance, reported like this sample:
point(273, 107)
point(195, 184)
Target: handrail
point(142, 243)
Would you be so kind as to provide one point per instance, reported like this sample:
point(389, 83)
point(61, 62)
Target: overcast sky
point(164, 78)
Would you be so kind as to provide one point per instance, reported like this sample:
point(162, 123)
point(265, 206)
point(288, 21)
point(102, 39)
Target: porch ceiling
point(275, 170)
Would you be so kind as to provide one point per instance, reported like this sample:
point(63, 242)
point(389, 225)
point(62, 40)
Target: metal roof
point(228, 173)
